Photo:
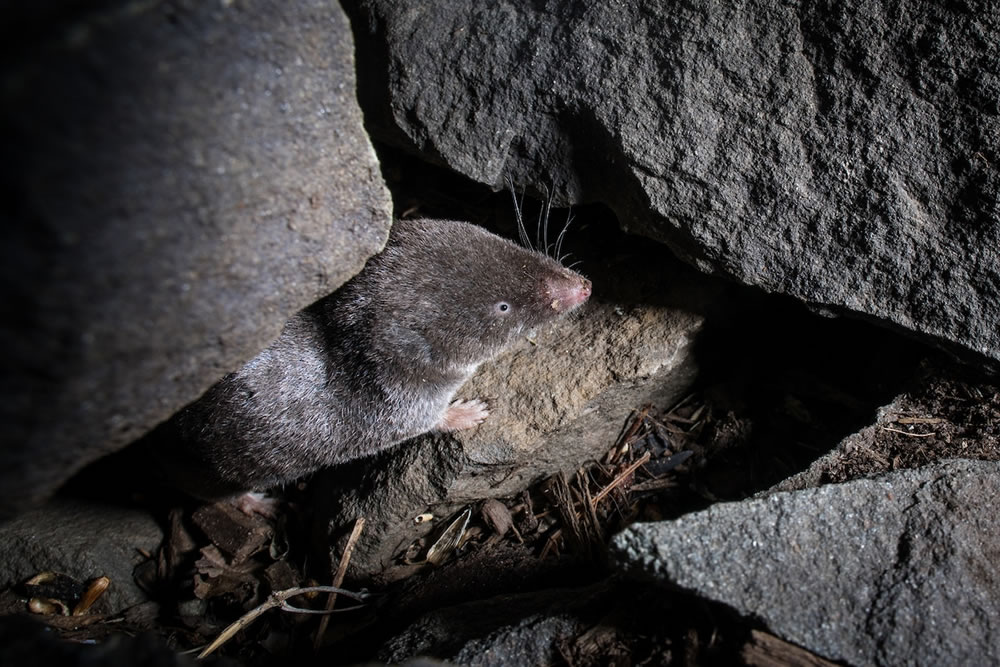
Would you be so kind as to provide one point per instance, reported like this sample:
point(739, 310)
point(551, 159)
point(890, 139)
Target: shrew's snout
point(567, 291)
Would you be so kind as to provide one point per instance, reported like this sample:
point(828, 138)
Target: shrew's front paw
point(462, 414)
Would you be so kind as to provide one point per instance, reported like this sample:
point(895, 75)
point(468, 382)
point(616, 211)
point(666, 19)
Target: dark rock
point(83, 541)
point(508, 629)
point(531, 641)
point(846, 155)
point(608, 622)
point(178, 179)
point(24, 642)
point(901, 569)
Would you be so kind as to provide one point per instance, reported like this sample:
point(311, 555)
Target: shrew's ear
point(408, 342)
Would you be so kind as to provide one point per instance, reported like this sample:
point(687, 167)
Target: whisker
point(562, 234)
point(548, 209)
point(522, 232)
point(543, 222)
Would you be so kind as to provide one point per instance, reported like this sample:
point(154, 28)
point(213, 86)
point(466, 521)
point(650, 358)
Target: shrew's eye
point(502, 307)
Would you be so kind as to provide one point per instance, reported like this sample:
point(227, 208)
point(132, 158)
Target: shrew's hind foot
point(253, 502)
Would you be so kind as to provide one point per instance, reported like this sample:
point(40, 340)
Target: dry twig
point(638, 419)
point(338, 578)
point(906, 433)
point(919, 420)
point(622, 476)
point(275, 599)
point(766, 650)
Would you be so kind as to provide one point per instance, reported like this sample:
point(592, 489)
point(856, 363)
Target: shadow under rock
point(786, 385)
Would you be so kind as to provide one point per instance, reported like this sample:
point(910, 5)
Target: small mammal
point(373, 364)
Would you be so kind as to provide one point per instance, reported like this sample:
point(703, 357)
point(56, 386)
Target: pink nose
point(566, 293)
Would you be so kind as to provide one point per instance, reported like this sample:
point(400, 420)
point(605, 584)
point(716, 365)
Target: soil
point(942, 418)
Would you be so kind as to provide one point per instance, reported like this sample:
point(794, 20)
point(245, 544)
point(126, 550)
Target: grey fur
point(373, 364)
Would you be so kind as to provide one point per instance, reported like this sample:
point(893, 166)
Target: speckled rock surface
point(178, 179)
point(901, 569)
point(531, 641)
point(524, 629)
point(83, 541)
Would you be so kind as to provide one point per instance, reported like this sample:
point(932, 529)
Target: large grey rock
point(178, 179)
point(844, 154)
point(901, 569)
point(557, 400)
point(83, 541)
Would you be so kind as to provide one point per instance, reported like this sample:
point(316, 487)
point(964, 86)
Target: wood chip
point(94, 591)
point(497, 516)
point(238, 535)
point(920, 420)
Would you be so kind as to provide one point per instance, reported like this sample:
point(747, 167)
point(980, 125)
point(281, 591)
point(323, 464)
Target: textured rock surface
point(901, 569)
point(557, 400)
point(178, 179)
point(846, 155)
point(83, 541)
point(504, 630)
point(529, 641)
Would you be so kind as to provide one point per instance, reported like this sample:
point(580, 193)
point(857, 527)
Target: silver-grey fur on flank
point(375, 363)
